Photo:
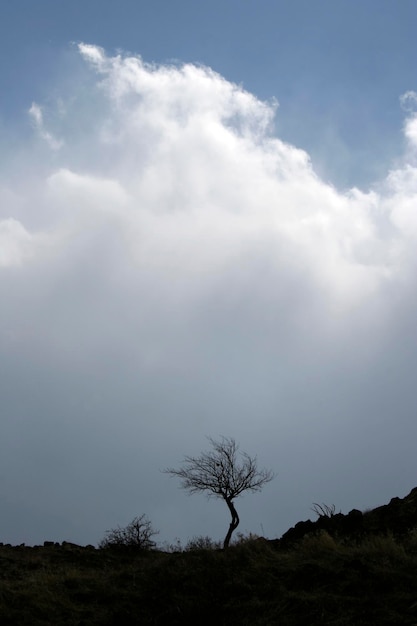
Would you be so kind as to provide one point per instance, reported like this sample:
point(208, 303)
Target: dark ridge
point(341, 570)
point(398, 517)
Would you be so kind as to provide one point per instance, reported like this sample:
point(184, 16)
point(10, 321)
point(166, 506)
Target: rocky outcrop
point(398, 517)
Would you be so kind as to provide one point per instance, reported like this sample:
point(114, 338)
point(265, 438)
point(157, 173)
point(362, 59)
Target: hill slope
point(331, 574)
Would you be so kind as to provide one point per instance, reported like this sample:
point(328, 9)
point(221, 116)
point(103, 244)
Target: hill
point(358, 568)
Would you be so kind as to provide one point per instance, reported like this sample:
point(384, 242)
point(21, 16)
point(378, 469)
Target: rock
point(398, 517)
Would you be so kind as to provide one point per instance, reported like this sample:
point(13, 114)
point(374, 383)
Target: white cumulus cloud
point(177, 270)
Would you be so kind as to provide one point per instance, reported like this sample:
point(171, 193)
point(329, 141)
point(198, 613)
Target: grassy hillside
point(324, 577)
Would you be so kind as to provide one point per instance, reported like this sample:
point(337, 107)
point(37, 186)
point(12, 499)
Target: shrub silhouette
point(137, 534)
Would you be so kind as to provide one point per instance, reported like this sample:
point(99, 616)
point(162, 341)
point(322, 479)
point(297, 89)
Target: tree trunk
point(233, 524)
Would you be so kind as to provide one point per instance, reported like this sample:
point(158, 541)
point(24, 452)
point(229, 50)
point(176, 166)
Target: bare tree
point(222, 474)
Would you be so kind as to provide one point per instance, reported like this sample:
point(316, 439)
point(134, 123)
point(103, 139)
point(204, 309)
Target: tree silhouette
point(222, 474)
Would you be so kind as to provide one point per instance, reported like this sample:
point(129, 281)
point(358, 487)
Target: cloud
point(176, 270)
point(14, 240)
point(408, 101)
point(36, 114)
point(409, 104)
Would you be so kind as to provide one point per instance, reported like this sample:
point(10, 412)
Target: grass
point(321, 580)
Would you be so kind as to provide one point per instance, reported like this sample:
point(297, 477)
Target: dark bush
point(137, 534)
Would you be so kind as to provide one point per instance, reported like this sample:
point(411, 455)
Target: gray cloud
point(176, 271)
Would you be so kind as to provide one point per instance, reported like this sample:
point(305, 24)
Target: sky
point(208, 225)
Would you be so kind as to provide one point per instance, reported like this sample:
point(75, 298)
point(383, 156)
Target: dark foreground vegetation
point(361, 570)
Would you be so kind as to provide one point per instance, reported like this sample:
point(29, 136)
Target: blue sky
point(207, 227)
